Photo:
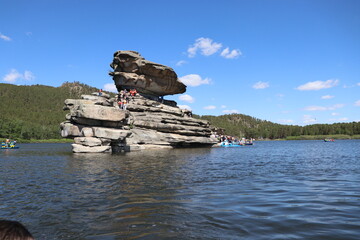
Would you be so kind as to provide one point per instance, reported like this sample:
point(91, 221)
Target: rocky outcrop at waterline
point(97, 124)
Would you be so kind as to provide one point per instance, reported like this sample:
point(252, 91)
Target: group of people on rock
point(8, 144)
point(124, 97)
point(233, 140)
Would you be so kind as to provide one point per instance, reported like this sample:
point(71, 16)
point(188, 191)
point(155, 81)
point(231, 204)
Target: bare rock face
point(131, 70)
point(97, 124)
point(145, 124)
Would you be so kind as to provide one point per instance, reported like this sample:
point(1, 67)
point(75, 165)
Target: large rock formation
point(131, 70)
point(97, 124)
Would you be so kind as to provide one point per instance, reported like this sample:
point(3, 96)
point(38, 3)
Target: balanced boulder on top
point(131, 70)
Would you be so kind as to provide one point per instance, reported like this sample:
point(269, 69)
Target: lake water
point(271, 190)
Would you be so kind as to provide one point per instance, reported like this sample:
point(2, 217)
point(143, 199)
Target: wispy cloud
point(321, 108)
point(358, 84)
point(334, 114)
point(327, 97)
point(194, 80)
point(110, 87)
point(231, 111)
point(210, 107)
point(261, 85)
point(180, 63)
point(223, 106)
point(14, 76)
point(5, 38)
point(185, 107)
point(186, 98)
point(286, 121)
point(309, 119)
point(357, 103)
point(317, 85)
point(226, 53)
point(206, 46)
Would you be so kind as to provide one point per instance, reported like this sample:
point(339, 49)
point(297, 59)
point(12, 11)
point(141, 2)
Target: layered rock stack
point(97, 124)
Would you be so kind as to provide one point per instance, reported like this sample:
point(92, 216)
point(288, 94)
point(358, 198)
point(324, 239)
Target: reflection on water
point(272, 190)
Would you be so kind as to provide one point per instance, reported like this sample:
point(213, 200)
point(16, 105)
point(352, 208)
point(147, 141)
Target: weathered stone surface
point(97, 124)
point(153, 137)
point(78, 148)
point(69, 104)
point(70, 130)
point(110, 133)
point(98, 112)
point(131, 70)
point(104, 95)
point(97, 100)
point(87, 132)
point(88, 141)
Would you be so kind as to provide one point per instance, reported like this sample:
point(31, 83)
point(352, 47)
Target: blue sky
point(286, 61)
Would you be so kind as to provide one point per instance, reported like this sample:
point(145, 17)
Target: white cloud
point(358, 84)
point(357, 103)
point(327, 97)
point(223, 106)
point(180, 63)
point(194, 80)
point(321, 108)
point(336, 106)
point(206, 46)
point(286, 121)
point(334, 114)
point(186, 98)
point(185, 107)
point(343, 119)
point(110, 87)
point(210, 107)
point(14, 76)
point(226, 53)
point(309, 119)
point(317, 85)
point(5, 38)
point(315, 108)
point(231, 111)
point(261, 85)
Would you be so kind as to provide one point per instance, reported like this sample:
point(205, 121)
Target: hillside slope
point(35, 111)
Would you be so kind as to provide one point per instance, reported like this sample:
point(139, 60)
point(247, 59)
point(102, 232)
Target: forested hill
point(246, 126)
point(35, 111)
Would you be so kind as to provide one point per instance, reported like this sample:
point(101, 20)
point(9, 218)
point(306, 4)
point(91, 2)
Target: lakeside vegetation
point(33, 114)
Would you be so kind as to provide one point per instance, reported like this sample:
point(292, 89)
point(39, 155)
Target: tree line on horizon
point(35, 112)
point(241, 125)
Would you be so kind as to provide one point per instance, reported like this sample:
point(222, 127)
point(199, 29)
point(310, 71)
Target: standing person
point(100, 92)
point(12, 230)
point(125, 104)
point(120, 103)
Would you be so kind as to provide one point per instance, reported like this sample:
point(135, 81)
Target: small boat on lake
point(227, 144)
point(329, 140)
point(9, 147)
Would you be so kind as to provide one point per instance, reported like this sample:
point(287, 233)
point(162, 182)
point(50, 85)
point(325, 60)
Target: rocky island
point(98, 124)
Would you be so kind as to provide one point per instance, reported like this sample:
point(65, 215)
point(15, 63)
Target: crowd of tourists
point(8, 144)
point(224, 139)
point(125, 96)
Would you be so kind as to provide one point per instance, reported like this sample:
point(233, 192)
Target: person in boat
point(3, 145)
